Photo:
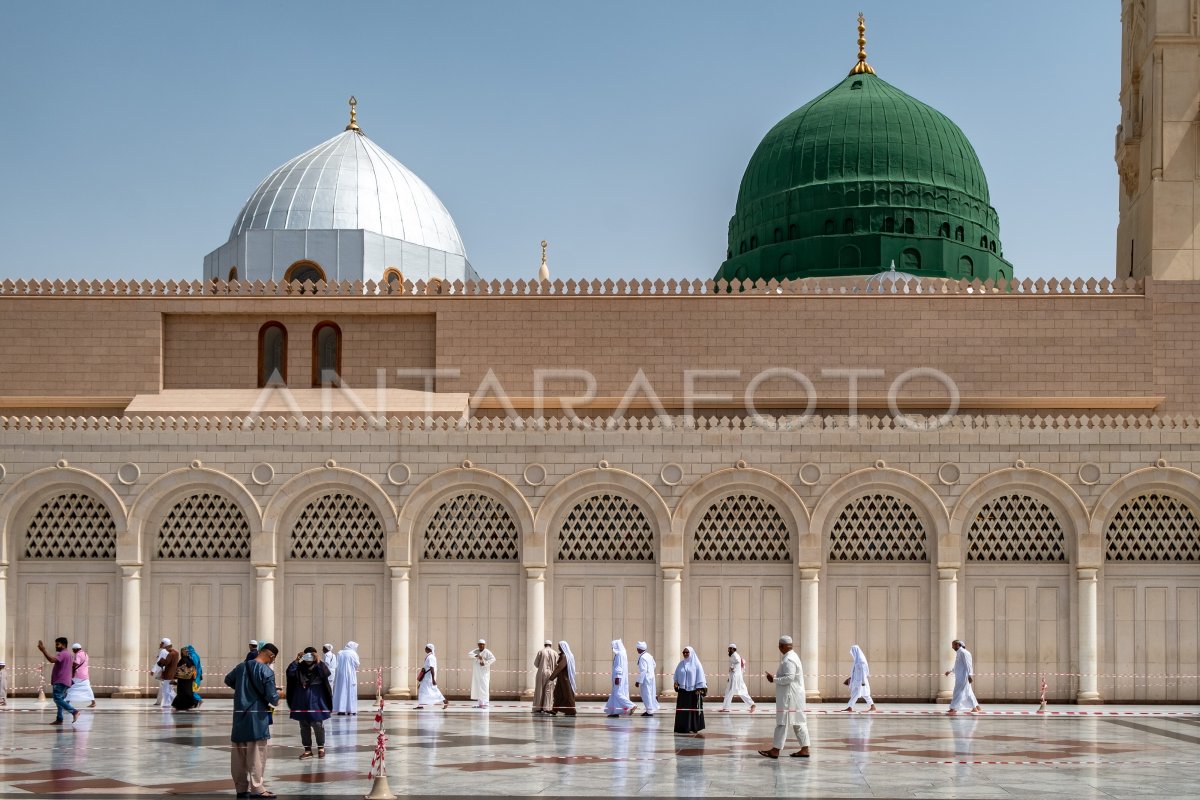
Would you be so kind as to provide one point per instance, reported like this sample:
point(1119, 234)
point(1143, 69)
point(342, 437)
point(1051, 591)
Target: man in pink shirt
point(60, 677)
point(81, 684)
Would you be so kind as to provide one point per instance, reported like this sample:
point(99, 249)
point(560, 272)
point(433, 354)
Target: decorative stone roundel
point(810, 474)
point(534, 475)
point(71, 525)
point(1016, 528)
point(606, 527)
point(262, 474)
point(878, 527)
point(128, 473)
point(1153, 527)
point(338, 525)
point(741, 527)
point(1090, 473)
point(471, 526)
point(671, 474)
point(949, 473)
point(398, 474)
point(204, 525)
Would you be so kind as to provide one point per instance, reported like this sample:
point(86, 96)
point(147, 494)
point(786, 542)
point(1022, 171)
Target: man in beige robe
point(543, 691)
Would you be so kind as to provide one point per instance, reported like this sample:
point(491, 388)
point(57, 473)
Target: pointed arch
point(37, 486)
point(424, 501)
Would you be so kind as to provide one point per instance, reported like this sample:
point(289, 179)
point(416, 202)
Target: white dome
point(350, 183)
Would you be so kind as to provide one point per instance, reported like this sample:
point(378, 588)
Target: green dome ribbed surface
point(861, 176)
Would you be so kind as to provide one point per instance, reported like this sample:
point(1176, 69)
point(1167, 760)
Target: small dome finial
point(862, 67)
point(353, 126)
point(544, 270)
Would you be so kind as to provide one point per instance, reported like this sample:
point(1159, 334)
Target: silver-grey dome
point(350, 183)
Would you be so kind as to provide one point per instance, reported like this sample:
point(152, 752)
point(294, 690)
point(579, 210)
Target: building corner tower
point(1157, 144)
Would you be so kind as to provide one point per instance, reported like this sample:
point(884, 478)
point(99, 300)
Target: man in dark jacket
point(254, 698)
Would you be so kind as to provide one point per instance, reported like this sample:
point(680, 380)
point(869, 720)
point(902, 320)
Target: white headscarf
point(352, 645)
point(567, 654)
point(620, 659)
point(690, 672)
point(860, 660)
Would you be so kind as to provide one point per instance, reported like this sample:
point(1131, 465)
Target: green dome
point(862, 176)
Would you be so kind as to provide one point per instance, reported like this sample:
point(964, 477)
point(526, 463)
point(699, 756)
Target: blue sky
point(617, 130)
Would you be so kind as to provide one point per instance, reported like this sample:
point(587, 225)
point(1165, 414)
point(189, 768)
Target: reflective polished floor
point(127, 747)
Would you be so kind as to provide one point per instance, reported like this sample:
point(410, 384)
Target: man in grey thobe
point(254, 698)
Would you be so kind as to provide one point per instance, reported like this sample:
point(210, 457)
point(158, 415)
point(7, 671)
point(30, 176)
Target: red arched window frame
point(264, 360)
point(316, 351)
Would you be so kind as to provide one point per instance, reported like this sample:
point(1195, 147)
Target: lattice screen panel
point(741, 527)
point(204, 525)
point(1016, 527)
point(878, 527)
point(606, 527)
point(338, 525)
point(71, 525)
point(471, 526)
point(1154, 527)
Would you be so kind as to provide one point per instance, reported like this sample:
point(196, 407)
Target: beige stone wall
point(1084, 472)
point(202, 351)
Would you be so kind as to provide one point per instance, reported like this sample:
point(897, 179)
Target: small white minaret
point(544, 269)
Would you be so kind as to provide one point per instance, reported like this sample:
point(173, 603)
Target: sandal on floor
point(304, 755)
point(798, 754)
point(320, 752)
point(768, 754)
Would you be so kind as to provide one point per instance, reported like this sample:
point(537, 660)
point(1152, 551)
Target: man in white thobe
point(964, 677)
point(156, 670)
point(789, 701)
point(481, 673)
point(330, 659)
point(543, 691)
point(345, 688)
point(646, 680)
point(737, 681)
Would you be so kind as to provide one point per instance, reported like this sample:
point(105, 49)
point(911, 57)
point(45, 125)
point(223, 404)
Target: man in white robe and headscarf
point(964, 677)
point(428, 693)
point(543, 691)
point(859, 683)
point(345, 686)
point(646, 680)
point(330, 659)
point(737, 682)
point(618, 695)
point(789, 701)
point(481, 674)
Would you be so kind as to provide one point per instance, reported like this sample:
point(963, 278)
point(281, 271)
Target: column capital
point(264, 571)
point(131, 571)
point(672, 574)
point(947, 573)
point(1087, 573)
point(399, 573)
point(535, 573)
point(809, 574)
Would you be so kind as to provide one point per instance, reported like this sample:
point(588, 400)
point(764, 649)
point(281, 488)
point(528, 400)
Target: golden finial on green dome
point(353, 126)
point(862, 67)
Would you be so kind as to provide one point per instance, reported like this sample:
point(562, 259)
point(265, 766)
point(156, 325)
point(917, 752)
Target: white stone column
point(672, 643)
point(265, 612)
point(4, 654)
point(133, 663)
point(1089, 679)
point(535, 623)
point(397, 682)
point(810, 630)
point(947, 628)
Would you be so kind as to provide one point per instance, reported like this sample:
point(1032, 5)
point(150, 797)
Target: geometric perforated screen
point(1016, 527)
point(338, 525)
point(877, 527)
point(71, 525)
point(471, 526)
point(204, 525)
point(1153, 527)
point(741, 527)
point(606, 527)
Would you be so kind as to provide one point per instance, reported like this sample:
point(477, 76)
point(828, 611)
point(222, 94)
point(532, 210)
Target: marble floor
point(127, 748)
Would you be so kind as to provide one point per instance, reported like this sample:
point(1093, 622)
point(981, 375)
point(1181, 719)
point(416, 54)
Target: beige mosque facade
point(891, 463)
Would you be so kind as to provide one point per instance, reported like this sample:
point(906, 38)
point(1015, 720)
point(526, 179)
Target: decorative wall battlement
point(571, 288)
point(598, 424)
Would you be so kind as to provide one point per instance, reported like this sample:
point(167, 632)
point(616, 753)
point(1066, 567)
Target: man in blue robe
point(254, 700)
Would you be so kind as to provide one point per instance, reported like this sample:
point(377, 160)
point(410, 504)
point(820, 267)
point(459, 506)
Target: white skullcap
point(785, 640)
point(642, 646)
point(164, 640)
point(482, 641)
point(327, 646)
point(733, 647)
point(548, 643)
point(254, 642)
point(77, 646)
